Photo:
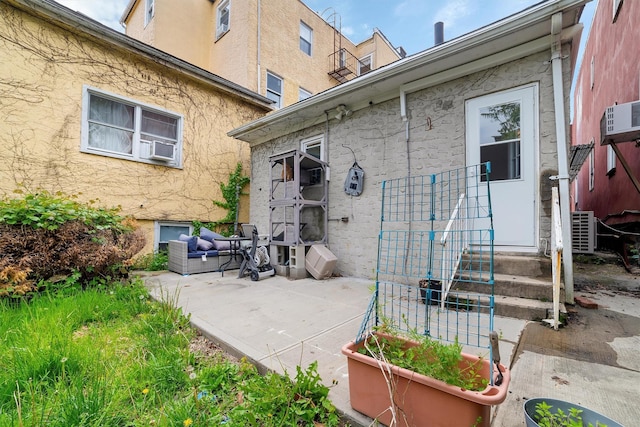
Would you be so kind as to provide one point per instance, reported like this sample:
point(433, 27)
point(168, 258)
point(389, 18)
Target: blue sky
point(406, 23)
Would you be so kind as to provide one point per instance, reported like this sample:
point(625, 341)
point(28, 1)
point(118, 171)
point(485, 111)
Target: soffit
point(519, 34)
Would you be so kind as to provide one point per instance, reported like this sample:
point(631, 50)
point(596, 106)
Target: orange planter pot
point(420, 400)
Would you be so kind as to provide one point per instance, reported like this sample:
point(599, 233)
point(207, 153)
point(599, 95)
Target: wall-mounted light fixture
point(343, 111)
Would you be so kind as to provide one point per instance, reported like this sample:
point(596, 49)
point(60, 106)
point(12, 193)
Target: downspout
point(259, 90)
point(561, 147)
point(405, 120)
point(328, 173)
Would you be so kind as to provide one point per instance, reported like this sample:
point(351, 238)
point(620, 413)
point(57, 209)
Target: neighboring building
point(280, 49)
point(89, 111)
point(608, 183)
point(425, 114)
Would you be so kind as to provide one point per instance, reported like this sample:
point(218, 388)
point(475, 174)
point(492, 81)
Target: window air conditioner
point(620, 123)
point(162, 151)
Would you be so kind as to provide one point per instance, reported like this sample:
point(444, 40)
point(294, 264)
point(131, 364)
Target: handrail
point(556, 254)
point(451, 260)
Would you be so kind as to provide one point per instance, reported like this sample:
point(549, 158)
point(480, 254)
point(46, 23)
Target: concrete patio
point(280, 324)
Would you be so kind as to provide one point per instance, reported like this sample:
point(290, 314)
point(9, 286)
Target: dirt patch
point(585, 337)
point(202, 347)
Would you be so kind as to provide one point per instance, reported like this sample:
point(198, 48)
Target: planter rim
point(491, 395)
point(529, 406)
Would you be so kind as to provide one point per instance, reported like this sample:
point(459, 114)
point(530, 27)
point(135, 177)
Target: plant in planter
point(545, 412)
point(411, 381)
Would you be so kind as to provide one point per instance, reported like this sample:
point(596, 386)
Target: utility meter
point(355, 180)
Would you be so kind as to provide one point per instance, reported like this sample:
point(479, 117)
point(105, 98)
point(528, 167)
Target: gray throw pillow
point(222, 245)
point(192, 242)
point(204, 245)
point(209, 235)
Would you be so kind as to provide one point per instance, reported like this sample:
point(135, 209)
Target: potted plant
point(416, 381)
point(545, 412)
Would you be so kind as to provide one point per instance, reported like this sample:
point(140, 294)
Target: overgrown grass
point(110, 356)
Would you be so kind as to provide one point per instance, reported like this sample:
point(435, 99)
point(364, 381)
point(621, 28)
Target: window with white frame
point(114, 126)
point(306, 38)
point(274, 89)
point(592, 165)
point(303, 94)
point(149, 11)
point(616, 9)
point(165, 231)
point(593, 71)
point(222, 25)
point(365, 64)
point(611, 160)
point(313, 146)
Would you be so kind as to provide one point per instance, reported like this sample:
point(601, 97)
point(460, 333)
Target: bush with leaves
point(44, 235)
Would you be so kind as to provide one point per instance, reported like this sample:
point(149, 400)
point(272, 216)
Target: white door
point(502, 128)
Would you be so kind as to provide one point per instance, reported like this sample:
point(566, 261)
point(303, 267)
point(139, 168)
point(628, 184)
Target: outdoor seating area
point(204, 253)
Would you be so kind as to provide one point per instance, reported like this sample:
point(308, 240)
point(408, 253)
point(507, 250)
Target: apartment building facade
point(283, 50)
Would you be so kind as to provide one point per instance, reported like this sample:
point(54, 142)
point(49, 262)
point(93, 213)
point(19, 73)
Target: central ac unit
point(583, 232)
point(162, 151)
point(620, 123)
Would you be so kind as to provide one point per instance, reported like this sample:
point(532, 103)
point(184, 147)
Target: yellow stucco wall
point(42, 74)
point(239, 57)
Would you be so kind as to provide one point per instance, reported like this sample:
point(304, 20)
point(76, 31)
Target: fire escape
point(343, 65)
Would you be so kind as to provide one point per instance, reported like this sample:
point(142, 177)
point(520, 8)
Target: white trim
point(313, 141)
point(304, 26)
point(611, 159)
point(370, 57)
point(149, 8)
point(221, 28)
point(278, 102)
point(158, 224)
point(303, 94)
point(136, 154)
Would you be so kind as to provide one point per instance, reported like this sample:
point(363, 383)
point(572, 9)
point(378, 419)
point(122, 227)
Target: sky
point(406, 23)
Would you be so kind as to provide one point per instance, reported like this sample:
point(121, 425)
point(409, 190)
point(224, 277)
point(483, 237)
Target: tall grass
point(109, 356)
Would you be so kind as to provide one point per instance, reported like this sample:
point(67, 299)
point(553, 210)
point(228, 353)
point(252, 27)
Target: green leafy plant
point(115, 357)
point(425, 356)
point(546, 418)
point(231, 192)
point(156, 261)
point(43, 210)
point(47, 235)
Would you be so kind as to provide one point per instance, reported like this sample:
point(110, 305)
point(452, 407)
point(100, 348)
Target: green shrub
point(45, 235)
point(156, 261)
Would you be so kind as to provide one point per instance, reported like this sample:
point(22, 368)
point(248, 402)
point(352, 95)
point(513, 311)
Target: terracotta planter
point(420, 400)
point(588, 416)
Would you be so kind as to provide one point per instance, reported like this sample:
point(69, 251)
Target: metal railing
point(453, 249)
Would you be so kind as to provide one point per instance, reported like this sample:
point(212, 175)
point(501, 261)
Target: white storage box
point(320, 262)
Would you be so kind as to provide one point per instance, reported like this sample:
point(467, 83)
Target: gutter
point(77, 22)
point(561, 149)
point(468, 41)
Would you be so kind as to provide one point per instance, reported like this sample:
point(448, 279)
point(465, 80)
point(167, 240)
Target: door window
point(500, 140)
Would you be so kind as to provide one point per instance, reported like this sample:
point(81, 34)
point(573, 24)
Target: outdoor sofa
point(202, 254)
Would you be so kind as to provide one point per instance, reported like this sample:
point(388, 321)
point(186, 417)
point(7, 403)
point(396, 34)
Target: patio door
point(503, 128)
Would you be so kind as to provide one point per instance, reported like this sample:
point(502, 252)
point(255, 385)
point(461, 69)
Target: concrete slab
point(280, 324)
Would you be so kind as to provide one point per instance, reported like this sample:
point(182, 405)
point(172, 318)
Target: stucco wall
point(42, 77)
point(377, 136)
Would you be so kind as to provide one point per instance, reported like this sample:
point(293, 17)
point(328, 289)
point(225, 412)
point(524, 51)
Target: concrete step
point(529, 265)
point(515, 307)
point(522, 284)
point(511, 286)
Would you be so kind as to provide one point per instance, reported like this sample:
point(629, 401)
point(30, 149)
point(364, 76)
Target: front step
point(522, 285)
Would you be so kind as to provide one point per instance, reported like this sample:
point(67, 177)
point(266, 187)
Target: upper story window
point(303, 94)
point(616, 8)
point(274, 89)
point(365, 64)
point(306, 38)
point(118, 127)
point(222, 25)
point(149, 11)
point(611, 161)
point(592, 167)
